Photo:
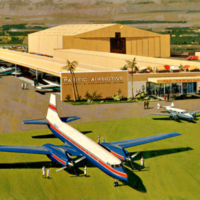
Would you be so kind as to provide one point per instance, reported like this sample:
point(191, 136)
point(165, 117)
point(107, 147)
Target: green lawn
point(172, 168)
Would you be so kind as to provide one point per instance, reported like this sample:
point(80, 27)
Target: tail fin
point(52, 114)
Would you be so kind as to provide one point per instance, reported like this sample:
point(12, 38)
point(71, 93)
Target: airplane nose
point(122, 175)
point(125, 179)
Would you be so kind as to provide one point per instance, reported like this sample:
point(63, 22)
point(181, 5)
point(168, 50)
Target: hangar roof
point(95, 30)
point(72, 29)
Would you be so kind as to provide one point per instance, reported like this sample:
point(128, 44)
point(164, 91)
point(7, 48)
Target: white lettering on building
point(106, 79)
point(98, 79)
point(68, 80)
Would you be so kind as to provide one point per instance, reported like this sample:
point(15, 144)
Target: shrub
point(118, 96)
point(68, 97)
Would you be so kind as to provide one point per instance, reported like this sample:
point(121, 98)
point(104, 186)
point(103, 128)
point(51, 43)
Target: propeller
point(61, 168)
point(72, 164)
point(74, 169)
point(175, 117)
point(134, 155)
point(129, 158)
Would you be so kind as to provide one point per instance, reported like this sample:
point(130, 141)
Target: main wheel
point(115, 184)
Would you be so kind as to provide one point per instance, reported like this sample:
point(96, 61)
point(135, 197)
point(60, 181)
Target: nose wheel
point(116, 183)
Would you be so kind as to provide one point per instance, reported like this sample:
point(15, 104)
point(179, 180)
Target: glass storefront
point(173, 88)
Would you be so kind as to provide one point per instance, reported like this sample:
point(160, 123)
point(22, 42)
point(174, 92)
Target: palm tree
point(124, 67)
point(71, 66)
point(132, 65)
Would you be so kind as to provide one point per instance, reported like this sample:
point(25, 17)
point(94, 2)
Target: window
point(117, 35)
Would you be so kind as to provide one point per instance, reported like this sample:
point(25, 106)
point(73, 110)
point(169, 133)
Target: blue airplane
point(107, 156)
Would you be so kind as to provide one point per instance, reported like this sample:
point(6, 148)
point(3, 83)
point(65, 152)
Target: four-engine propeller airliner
point(176, 113)
point(106, 156)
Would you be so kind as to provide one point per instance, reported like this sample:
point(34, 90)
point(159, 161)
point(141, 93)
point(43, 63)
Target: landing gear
point(116, 183)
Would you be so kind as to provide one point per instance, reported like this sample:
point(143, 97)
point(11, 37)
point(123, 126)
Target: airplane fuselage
point(93, 152)
point(180, 113)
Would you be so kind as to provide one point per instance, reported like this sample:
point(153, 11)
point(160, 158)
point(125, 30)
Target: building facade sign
point(97, 84)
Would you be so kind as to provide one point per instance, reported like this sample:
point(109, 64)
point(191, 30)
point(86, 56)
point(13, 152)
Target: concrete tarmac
point(17, 105)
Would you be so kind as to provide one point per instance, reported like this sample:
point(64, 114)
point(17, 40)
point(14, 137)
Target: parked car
point(192, 57)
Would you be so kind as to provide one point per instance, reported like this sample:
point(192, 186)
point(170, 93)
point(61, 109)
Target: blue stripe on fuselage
point(91, 159)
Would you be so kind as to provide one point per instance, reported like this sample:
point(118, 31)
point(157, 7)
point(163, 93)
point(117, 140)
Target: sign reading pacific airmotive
point(97, 84)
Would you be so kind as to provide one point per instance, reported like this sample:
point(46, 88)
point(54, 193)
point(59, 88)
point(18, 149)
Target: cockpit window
point(116, 166)
point(109, 164)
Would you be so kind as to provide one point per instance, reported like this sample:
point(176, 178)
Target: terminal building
point(101, 50)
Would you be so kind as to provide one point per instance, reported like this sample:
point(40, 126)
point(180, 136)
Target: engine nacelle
point(58, 155)
point(193, 115)
point(117, 151)
point(173, 116)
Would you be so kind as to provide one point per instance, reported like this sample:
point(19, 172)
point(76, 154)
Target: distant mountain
point(157, 13)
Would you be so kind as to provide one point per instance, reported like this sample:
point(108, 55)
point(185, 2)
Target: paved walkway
point(17, 105)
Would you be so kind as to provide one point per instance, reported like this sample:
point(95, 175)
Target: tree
point(134, 68)
point(71, 66)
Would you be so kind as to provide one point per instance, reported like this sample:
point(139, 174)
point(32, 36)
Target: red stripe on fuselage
point(106, 166)
point(52, 107)
point(119, 156)
point(113, 170)
point(63, 162)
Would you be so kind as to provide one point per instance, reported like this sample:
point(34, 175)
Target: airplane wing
point(164, 114)
point(69, 149)
point(195, 112)
point(46, 149)
point(139, 141)
point(50, 87)
point(25, 149)
point(51, 83)
point(171, 115)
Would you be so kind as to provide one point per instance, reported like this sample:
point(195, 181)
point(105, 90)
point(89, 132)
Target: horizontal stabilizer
point(69, 119)
point(44, 121)
point(36, 121)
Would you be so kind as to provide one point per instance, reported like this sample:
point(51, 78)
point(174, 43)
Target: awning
point(174, 68)
point(186, 67)
point(167, 67)
point(160, 68)
point(141, 69)
point(192, 68)
point(175, 79)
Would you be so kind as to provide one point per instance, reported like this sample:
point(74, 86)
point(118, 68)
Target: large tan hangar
point(114, 38)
